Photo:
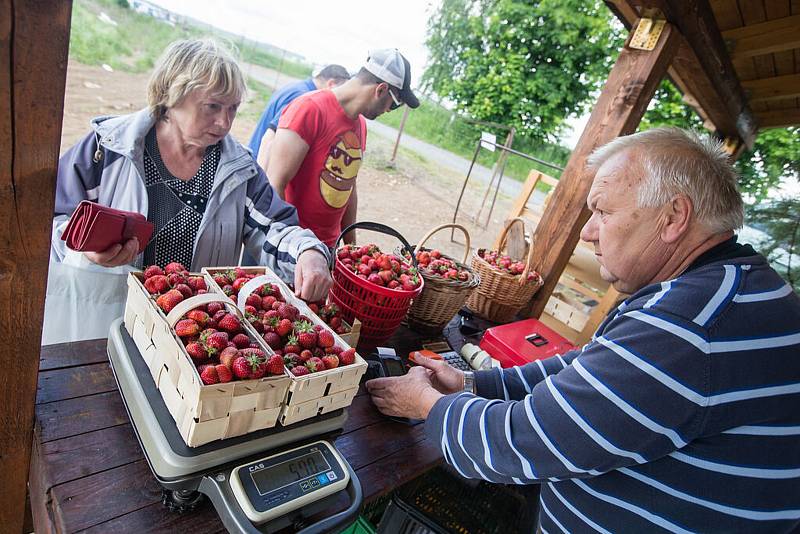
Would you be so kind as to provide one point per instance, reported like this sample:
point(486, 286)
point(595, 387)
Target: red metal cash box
point(523, 342)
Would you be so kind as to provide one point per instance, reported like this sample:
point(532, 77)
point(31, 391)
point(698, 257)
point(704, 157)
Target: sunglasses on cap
point(396, 102)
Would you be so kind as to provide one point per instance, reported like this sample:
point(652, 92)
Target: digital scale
point(258, 483)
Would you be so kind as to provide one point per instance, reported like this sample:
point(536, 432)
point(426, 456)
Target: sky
point(322, 31)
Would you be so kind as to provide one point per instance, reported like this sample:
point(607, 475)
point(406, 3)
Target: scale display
point(290, 471)
point(278, 484)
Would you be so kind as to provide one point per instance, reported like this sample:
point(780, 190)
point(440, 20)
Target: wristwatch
point(469, 382)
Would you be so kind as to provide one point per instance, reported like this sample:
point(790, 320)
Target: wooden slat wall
point(34, 40)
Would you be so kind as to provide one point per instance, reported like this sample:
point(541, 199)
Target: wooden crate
point(316, 393)
point(202, 413)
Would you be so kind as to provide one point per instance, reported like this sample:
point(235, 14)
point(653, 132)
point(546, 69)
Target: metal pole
point(500, 163)
point(464, 187)
point(399, 133)
point(504, 157)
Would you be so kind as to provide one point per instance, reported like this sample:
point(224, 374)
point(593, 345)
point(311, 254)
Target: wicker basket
point(441, 298)
point(501, 295)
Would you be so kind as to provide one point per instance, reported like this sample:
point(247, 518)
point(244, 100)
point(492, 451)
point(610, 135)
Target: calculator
point(455, 359)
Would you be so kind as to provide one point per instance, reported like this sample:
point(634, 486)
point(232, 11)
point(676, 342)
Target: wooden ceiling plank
point(779, 118)
point(754, 12)
point(774, 88)
point(778, 35)
point(727, 14)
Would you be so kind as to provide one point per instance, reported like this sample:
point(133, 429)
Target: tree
point(524, 64)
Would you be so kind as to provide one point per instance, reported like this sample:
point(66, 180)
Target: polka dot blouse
point(176, 206)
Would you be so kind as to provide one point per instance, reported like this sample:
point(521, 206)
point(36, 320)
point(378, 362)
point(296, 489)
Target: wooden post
point(34, 40)
point(399, 133)
point(623, 101)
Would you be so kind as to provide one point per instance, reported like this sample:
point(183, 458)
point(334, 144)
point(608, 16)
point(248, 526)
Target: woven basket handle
point(442, 227)
point(529, 260)
point(381, 229)
point(192, 302)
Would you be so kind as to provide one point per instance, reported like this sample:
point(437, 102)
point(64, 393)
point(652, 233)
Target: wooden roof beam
point(775, 88)
point(702, 63)
point(778, 118)
point(775, 35)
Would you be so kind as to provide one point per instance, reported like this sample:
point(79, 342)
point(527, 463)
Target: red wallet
point(95, 228)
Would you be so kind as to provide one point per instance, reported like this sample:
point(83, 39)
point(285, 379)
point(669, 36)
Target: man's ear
point(381, 89)
point(678, 213)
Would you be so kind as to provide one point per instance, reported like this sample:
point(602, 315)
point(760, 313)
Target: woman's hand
point(120, 254)
point(444, 377)
point(312, 279)
point(411, 395)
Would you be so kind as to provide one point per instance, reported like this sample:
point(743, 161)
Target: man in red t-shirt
point(321, 139)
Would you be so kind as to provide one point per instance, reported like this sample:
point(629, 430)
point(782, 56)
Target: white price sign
point(488, 140)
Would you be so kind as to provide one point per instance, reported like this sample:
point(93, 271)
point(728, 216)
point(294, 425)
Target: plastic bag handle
point(381, 229)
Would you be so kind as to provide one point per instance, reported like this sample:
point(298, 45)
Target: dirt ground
point(412, 196)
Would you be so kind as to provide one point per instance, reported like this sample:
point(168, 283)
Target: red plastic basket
point(380, 309)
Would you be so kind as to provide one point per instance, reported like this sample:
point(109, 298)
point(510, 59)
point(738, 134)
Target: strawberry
point(153, 270)
point(175, 279)
point(290, 359)
point(275, 365)
point(267, 302)
point(239, 282)
point(241, 341)
point(284, 327)
point(287, 311)
point(156, 284)
point(169, 300)
point(258, 366)
point(196, 282)
point(238, 272)
point(241, 368)
point(291, 344)
point(230, 323)
point(253, 351)
point(197, 351)
point(199, 316)
point(272, 339)
point(214, 341)
point(346, 357)
point(187, 328)
point(271, 314)
point(254, 300)
point(325, 339)
point(335, 322)
point(214, 307)
point(319, 352)
point(300, 370)
point(313, 307)
point(250, 310)
point(315, 364)
point(336, 349)
point(305, 355)
point(221, 280)
point(209, 375)
point(305, 334)
point(330, 361)
point(223, 373)
point(229, 291)
point(228, 355)
point(174, 267)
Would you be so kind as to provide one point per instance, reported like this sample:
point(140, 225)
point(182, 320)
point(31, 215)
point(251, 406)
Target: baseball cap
point(389, 65)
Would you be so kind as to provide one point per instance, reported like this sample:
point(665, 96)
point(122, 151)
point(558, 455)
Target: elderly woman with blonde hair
point(176, 163)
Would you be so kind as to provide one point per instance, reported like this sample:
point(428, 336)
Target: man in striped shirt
point(683, 412)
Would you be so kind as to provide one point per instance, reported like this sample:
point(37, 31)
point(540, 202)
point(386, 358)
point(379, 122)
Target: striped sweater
point(682, 414)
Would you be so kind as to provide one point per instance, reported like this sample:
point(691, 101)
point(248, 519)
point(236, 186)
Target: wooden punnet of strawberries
point(505, 263)
point(305, 347)
point(372, 265)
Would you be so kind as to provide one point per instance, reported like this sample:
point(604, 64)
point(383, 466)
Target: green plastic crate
point(361, 526)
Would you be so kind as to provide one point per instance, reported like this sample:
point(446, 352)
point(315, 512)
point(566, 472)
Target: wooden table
point(88, 472)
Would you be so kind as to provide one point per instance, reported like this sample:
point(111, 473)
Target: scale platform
point(206, 468)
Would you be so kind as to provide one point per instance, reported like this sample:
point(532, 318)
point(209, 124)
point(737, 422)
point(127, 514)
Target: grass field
point(94, 41)
point(436, 125)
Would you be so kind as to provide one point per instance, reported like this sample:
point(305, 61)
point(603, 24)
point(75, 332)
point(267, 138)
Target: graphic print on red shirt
point(324, 182)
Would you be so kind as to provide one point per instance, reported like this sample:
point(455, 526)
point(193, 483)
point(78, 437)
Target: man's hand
point(120, 254)
point(312, 279)
point(444, 377)
point(411, 395)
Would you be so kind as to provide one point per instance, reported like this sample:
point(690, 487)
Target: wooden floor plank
point(84, 455)
point(72, 354)
point(73, 417)
point(73, 382)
